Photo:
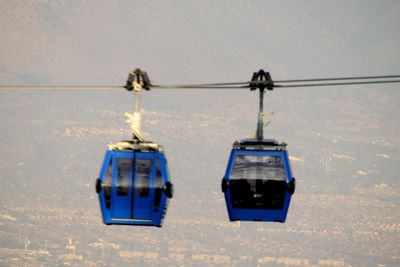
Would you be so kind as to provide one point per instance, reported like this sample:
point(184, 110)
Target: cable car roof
point(255, 144)
point(132, 145)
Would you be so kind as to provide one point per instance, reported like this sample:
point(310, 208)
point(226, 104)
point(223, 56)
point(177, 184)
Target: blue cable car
point(134, 186)
point(258, 182)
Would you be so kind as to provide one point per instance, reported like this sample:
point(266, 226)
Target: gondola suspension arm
point(137, 80)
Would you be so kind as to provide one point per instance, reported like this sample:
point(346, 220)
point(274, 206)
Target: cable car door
point(122, 195)
point(143, 192)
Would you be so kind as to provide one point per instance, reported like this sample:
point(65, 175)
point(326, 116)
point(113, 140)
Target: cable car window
point(142, 184)
point(258, 167)
point(157, 187)
point(257, 182)
point(124, 167)
point(107, 185)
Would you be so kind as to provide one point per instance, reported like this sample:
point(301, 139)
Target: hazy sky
point(99, 42)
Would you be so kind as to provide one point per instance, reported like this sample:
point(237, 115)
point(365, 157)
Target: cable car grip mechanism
point(261, 80)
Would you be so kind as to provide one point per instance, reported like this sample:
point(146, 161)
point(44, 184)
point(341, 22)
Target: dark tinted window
point(157, 186)
point(124, 168)
point(257, 182)
point(258, 167)
point(142, 183)
point(107, 185)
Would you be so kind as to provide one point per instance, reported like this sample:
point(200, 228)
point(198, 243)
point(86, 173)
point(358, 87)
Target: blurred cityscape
point(40, 234)
point(345, 211)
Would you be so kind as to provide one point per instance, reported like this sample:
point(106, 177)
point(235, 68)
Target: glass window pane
point(157, 187)
point(258, 167)
point(107, 185)
point(142, 183)
point(124, 167)
point(258, 182)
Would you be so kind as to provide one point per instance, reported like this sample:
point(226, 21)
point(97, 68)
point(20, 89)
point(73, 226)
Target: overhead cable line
point(139, 79)
point(57, 87)
point(334, 84)
point(267, 82)
point(339, 79)
point(202, 85)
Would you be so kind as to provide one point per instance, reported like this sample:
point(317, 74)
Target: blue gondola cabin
point(258, 182)
point(134, 186)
